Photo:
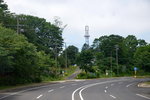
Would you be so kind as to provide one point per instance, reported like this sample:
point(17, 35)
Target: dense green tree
point(85, 47)
point(19, 60)
point(6, 18)
point(72, 52)
point(131, 44)
point(18, 57)
point(85, 60)
point(142, 58)
point(141, 42)
point(108, 46)
point(44, 35)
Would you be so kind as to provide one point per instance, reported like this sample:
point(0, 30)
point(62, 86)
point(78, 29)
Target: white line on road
point(143, 96)
point(87, 86)
point(112, 84)
point(62, 87)
point(50, 90)
point(130, 84)
point(106, 87)
point(113, 96)
point(39, 96)
point(29, 89)
point(105, 91)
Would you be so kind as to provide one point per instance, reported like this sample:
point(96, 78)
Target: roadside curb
point(144, 85)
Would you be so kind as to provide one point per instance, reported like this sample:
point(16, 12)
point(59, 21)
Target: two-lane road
point(97, 89)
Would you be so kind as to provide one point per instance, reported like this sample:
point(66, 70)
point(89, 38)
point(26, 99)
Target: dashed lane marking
point(62, 87)
point(130, 84)
point(143, 96)
point(112, 84)
point(50, 90)
point(39, 96)
point(113, 96)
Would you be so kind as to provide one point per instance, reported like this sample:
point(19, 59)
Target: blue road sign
point(135, 68)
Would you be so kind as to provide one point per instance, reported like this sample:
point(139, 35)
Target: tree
point(72, 52)
point(5, 16)
point(141, 42)
point(142, 58)
point(49, 36)
point(19, 60)
point(85, 47)
point(85, 61)
point(131, 44)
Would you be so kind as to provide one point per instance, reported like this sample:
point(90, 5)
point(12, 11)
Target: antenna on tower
point(87, 35)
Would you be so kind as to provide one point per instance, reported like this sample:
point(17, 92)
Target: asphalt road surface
point(96, 89)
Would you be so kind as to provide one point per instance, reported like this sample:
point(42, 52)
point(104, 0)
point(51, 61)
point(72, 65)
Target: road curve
point(97, 89)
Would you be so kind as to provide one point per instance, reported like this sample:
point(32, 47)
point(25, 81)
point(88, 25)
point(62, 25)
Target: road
point(97, 89)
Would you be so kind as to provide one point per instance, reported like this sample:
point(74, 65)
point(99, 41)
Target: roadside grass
point(88, 75)
point(147, 82)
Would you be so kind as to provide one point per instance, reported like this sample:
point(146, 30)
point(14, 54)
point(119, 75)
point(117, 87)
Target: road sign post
point(135, 71)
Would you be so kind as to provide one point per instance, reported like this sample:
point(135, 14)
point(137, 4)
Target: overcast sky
point(104, 17)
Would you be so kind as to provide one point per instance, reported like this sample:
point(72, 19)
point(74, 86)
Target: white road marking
point(50, 90)
point(106, 87)
point(130, 84)
point(90, 85)
point(73, 84)
point(62, 87)
point(80, 93)
point(105, 91)
point(112, 84)
point(25, 91)
point(113, 96)
point(39, 96)
point(143, 96)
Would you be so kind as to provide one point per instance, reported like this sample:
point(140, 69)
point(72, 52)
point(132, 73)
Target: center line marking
point(105, 91)
point(39, 96)
point(50, 90)
point(62, 87)
point(106, 87)
point(112, 84)
point(113, 96)
point(129, 84)
point(143, 96)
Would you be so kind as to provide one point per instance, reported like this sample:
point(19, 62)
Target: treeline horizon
point(115, 55)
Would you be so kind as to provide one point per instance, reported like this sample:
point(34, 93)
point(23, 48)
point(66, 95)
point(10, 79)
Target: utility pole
point(117, 48)
point(111, 63)
point(66, 55)
point(17, 25)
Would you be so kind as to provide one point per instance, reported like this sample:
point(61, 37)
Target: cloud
point(104, 17)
